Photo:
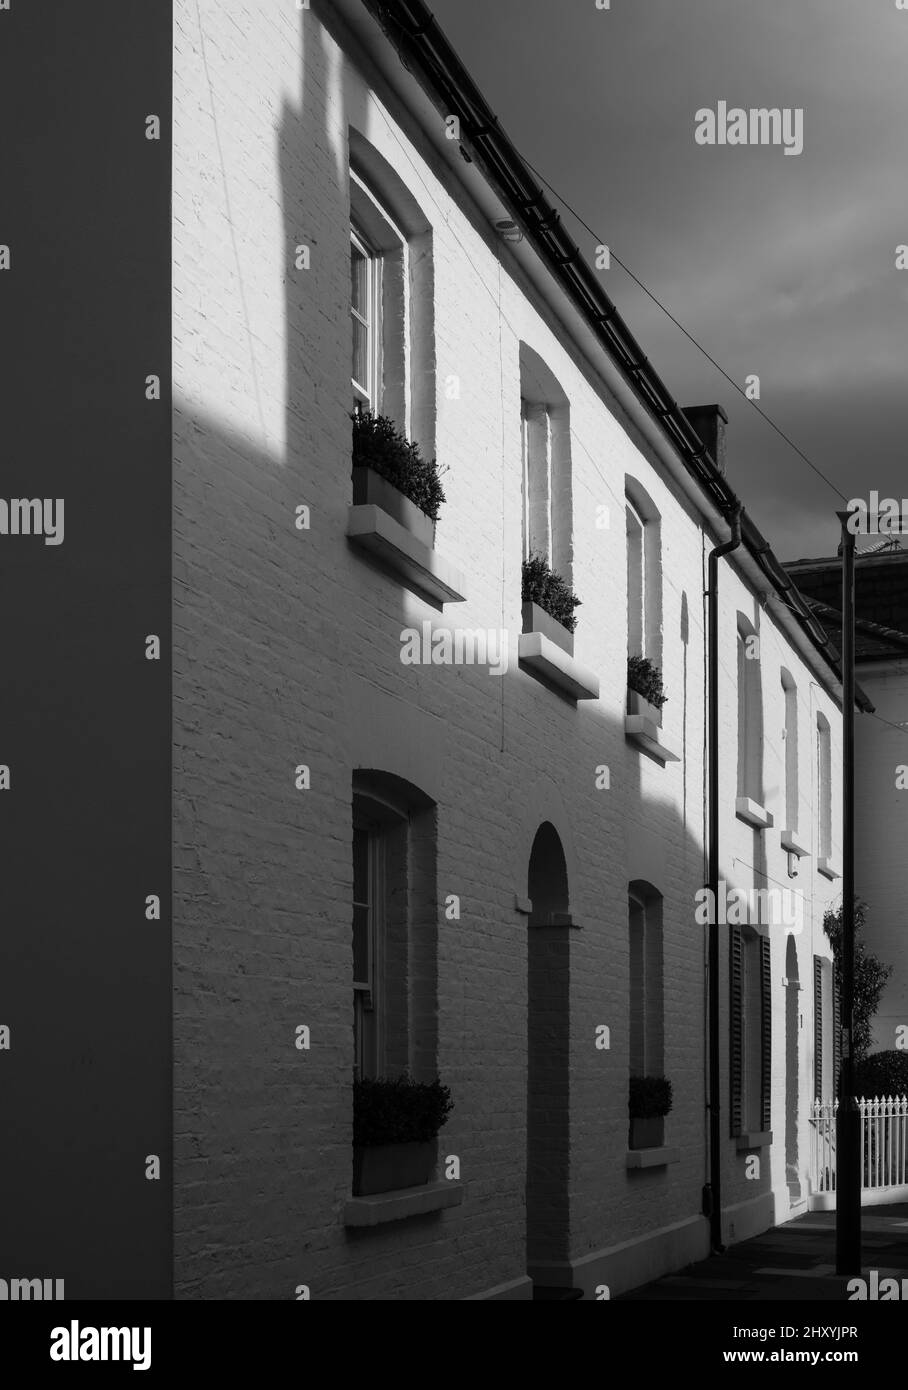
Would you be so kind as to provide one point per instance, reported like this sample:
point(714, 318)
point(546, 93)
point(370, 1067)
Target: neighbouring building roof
point(881, 600)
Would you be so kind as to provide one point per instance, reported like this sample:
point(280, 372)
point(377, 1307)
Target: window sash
point(636, 536)
point(367, 393)
point(367, 992)
point(824, 781)
point(536, 450)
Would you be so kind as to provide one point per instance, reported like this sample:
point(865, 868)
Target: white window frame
point(367, 395)
point(750, 714)
point(643, 571)
point(638, 643)
point(537, 481)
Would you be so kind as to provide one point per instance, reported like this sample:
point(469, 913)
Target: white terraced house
point(490, 879)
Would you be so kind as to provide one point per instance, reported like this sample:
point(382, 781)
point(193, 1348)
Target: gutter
point(425, 52)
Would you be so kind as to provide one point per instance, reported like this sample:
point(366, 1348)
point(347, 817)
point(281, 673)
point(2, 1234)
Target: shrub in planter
point(882, 1074)
point(649, 1101)
point(644, 677)
point(378, 444)
point(395, 1125)
point(542, 586)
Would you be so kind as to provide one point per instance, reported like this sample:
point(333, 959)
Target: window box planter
point(536, 619)
point(547, 649)
point(392, 1167)
point(638, 705)
point(643, 728)
point(401, 553)
point(647, 1134)
point(371, 489)
point(649, 1101)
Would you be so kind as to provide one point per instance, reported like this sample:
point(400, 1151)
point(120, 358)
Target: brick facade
point(287, 652)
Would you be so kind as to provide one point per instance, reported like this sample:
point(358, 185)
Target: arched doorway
point(548, 1058)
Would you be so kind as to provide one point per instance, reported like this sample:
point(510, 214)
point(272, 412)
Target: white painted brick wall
point(278, 635)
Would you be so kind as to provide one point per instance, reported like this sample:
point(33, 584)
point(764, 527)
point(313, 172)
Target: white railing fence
point(884, 1143)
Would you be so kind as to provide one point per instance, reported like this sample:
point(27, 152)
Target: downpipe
point(712, 1197)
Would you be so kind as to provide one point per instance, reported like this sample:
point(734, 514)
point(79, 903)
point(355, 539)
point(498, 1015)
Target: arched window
point(545, 423)
point(644, 574)
point(548, 1055)
point(394, 928)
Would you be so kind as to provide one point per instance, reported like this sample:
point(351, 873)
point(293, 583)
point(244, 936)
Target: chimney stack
point(710, 422)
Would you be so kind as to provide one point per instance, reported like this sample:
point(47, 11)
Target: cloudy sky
point(782, 266)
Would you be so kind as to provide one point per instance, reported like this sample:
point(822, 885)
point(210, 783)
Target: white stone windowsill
point(383, 1207)
point(646, 734)
point(418, 565)
point(828, 867)
point(753, 1139)
point(652, 1158)
point(753, 813)
point(792, 844)
point(544, 658)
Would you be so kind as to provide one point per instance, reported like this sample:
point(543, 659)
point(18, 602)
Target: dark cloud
point(783, 266)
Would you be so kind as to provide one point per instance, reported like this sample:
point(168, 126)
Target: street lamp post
point(848, 1116)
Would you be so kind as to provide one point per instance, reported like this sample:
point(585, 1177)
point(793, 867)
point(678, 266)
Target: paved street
point(791, 1262)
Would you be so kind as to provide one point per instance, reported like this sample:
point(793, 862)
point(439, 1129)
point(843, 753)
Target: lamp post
point(848, 1116)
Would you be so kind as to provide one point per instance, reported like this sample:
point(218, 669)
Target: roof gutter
point(426, 53)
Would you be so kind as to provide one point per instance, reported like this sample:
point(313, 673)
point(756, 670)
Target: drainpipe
point(713, 1195)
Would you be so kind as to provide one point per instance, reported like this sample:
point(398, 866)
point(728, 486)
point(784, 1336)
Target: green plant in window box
point(645, 679)
point(379, 444)
point(542, 586)
point(395, 1125)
